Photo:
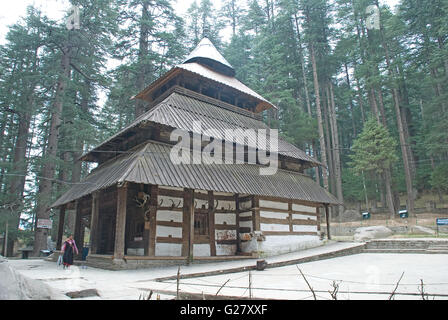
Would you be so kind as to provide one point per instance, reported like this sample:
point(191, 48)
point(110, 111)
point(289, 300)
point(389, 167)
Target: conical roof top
point(206, 53)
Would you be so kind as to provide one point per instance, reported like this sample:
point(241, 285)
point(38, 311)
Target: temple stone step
point(407, 246)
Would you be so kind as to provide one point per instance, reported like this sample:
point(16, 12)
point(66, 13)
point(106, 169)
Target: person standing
point(68, 250)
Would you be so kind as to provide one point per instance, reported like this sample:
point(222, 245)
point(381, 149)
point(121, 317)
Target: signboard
point(442, 221)
point(44, 223)
point(366, 215)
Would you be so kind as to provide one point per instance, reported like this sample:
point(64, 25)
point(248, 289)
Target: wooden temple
point(142, 209)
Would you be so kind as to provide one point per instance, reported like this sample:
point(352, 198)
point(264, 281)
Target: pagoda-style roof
point(150, 163)
point(202, 90)
point(206, 53)
point(207, 64)
point(182, 107)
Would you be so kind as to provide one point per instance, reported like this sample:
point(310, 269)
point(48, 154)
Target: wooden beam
point(256, 213)
point(304, 222)
point(287, 211)
point(275, 221)
point(327, 219)
point(168, 240)
point(238, 239)
point(169, 224)
point(171, 193)
point(94, 239)
point(188, 224)
point(303, 202)
point(291, 228)
point(153, 201)
point(191, 227)
point(211, 223)
point(284, 233)
point(318, 218)
point(144, 188)
point(226, 227)
point(228, 241)
point(80, 244)
point(245, 229)
point(120, 222)
point(61, 227)
point(78, 224)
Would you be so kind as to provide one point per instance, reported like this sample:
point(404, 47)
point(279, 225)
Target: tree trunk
point(369, 86)
point(142, 57)
point(336, 153)
point(361, 104)
point(302, 62)
point(320, 120)
point(352, 108)
point(320, 125)
point(407, 119)
point(45, 184)
point(77, 153)
point(401, 133)
point(305, 87)
point(373, 104)
point(19, 169)
point(389, 195)
point(329, 146)
point(403, 143)
point(381, 108)
point(3, 150)
point(317, 169)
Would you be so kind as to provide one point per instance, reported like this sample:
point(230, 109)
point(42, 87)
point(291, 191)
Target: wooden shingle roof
point(150, 163)
point(179, 110)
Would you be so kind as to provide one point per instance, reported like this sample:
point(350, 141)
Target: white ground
point(359, 277)
point(367, 273)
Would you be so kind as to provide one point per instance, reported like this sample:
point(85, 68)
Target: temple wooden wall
point(220, 224)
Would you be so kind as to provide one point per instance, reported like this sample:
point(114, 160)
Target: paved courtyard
point(364, 276)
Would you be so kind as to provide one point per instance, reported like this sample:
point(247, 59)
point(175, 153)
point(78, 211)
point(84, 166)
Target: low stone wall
point(132, 263)
point(350, 231)
point(421, 244)
point(425, 246)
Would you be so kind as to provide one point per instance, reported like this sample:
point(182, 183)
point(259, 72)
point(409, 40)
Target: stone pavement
point(132, 284)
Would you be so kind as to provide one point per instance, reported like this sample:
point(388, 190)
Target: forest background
point(359, 84)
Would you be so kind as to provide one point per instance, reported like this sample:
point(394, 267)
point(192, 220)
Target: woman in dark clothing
point(67, 251)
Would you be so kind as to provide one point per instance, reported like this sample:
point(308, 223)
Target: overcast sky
point(12, 10)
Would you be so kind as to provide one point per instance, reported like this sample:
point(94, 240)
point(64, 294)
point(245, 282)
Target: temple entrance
point(107, 234)
point(201, 226)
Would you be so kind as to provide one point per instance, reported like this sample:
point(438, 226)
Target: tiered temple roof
point(203, 88)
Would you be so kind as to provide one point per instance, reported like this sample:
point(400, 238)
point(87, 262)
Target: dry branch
point(309, 286)
point(396, 286)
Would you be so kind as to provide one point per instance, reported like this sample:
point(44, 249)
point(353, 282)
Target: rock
point(83, 293)
point(373, 232)
point(350, 215)
point(422, 230)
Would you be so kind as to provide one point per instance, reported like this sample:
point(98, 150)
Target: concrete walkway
point(131, 284)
